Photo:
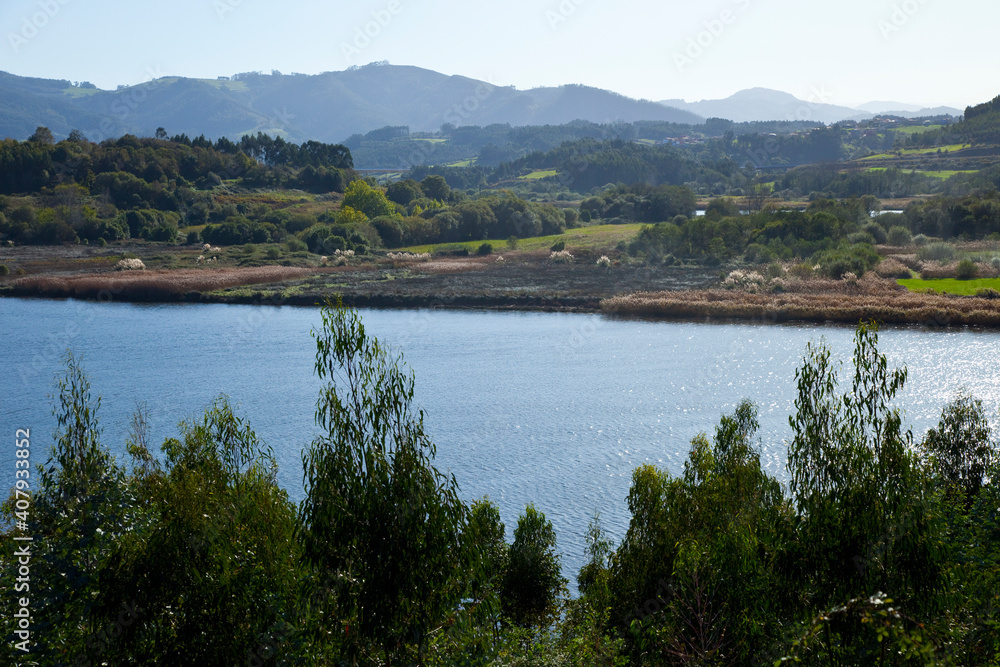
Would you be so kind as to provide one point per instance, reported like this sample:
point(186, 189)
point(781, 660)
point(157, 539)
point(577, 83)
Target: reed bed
point(814, 301)
point(153, 285)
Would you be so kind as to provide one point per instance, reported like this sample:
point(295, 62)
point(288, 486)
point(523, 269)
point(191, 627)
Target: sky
point(923, 52)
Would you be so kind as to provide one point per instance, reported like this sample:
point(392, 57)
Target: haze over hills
point(760, 104)
point(332, 106)
point(327, 107)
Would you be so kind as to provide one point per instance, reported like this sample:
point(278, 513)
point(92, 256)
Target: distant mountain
point(763, 104)
point(908, 110)
point(327, 107)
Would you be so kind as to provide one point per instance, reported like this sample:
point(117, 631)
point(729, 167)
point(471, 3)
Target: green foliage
point(533, 583)
point(967, 270)
point(559, 246)
point(370, 201)
point(865, 521)
point(899, 236)
point(941, 252)
point(378, 517)
point(961, 446)
point(857, 259)
point(485, 249)
point(4, 271)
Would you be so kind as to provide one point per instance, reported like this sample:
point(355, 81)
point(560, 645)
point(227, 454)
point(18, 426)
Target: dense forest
point(882, 548)
point(225, 193)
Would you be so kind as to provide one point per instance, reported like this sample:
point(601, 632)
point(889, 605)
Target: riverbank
point(814, 300)
point(517, 280)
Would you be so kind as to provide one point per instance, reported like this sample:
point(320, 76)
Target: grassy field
point(540, 173)
point(919, 151)
point(589, 238)
point(462, 163)
point(945, 174)
point(917, 129)
point(951, 285)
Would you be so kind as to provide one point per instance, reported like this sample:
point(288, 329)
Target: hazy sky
point(848, 52)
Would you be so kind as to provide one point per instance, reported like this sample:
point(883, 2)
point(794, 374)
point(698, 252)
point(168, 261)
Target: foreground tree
point(961, 446)
point(379, 521)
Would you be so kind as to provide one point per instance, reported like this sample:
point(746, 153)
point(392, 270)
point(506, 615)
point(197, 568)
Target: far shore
point(526, 281)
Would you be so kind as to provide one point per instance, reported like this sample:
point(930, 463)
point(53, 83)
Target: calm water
point(554, 409)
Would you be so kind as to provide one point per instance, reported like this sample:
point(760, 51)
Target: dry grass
point(816, 301)
point(153, 285)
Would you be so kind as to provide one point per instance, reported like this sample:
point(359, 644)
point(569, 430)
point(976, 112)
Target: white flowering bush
point(344, 253)
point(561, 257)
point(408, 256)
point(744, 280)
point(500, 259)
point(604, 262)
point(130, 265)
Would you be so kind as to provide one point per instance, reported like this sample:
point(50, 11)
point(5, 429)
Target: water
point(553, 409)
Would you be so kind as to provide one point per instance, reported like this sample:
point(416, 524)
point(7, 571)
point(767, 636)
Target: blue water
point(551, 409)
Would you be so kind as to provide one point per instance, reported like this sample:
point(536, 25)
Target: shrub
point(876, 231)
point(485, 249)
point(193, 238)
point(967, 270)
point(941, 252)
point(744, 280)
point(775, 270)
point(512, 243)
point(988, 293)
point(856, 259)
point(561, 257)
point(295, 245)
point(604, 262)
point(995, 263)
point(920, 240)
point(274, 252)
point(803, 270)
point(4, 271)
point(558, 247)
point(892, 268)
point(131, 264)
point(899, 236)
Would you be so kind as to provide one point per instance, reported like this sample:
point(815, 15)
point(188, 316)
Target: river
point(547, 408)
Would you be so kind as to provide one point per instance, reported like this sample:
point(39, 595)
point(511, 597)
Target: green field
point(540, 173)
point(951, 285)
point(919, 151)
point(597, 237)
point(430, 140)
point(945, 174)
point(462, 163)
point(917, 129)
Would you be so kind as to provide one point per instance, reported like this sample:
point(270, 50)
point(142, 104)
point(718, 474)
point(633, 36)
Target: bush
point(988, 293)
point(967, 270)
point(899, 236)
point(856, 259)
point(802, 270)
point(274, 252)
point(775, 270)
point(558, 247)
point(941, 252)
point(193, 238)
point(876, 231)
point(4, 271)
point(295, 245)
point(892, 268)
point(920, 240)
point(485, 249)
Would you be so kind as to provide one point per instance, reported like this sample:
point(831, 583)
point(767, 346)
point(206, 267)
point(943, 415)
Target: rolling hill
point(327, 107)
